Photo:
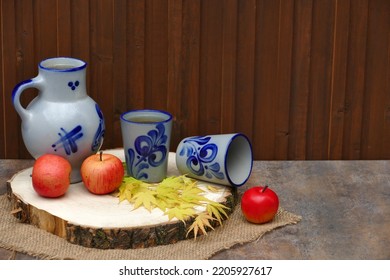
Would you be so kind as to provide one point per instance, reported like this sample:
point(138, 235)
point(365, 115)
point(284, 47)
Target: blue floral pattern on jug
point(150, 150)
point(99, 134)
point(73, 85)
point(68, 140)
point(200, 157)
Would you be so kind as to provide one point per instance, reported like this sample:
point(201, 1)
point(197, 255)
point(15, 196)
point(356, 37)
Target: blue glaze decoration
point(73, 85)
point(17, 87)
point(150, 150)
point(99, 134)
point(68, 140)
point(200, 157)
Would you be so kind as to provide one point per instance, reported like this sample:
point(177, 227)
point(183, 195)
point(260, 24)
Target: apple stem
point(101, 155)
point(265, 187)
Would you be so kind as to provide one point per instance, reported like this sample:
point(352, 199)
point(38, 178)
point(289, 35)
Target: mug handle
point(17, 91)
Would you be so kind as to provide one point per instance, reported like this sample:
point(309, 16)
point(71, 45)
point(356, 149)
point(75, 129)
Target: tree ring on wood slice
point(100, 221)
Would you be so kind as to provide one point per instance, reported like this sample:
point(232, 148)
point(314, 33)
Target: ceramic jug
point(62, 119)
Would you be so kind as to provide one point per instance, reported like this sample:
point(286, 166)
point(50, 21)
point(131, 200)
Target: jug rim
point(70, 64)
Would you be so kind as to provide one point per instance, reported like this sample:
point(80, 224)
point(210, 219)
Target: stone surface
point(345, 209)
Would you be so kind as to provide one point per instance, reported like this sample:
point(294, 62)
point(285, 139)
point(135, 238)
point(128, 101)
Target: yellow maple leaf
point(192, 194)
point(146, 198)
point(174, 182)
point(177, 197)
point(216, 210)
point(166, 192)
point(180, 213)
point(200, 223)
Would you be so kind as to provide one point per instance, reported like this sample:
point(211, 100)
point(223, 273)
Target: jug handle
point(17, 91)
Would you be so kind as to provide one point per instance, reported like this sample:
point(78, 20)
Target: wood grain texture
point(245, 69)
point(302, 79)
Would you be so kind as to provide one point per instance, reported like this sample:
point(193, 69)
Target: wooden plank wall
point(304, 79)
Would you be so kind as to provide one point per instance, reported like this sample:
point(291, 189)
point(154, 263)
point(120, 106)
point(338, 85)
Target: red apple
point(51, 175)
point(102, 173)
point(259, 204)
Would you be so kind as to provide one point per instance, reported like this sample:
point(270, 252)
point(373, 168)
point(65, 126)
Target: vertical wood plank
point(267, 26)
point(210, 67)
point(26, 62)
point(45, 21)
point(156, 51)
point(386, 134)
point(25, 57)
point(190, 67)
point(119, 88)
point(228, 75)
point(338, 79)
point(374, 129)
point(356, 76)
point(283, 79)
point(102, 63)
point(246, 37)
point(300, 79)
point(136, 54)
point(12, 136)
point(319, 78)
point(94, 58)
point(80, 31)
point(174, 83)
point(64, 42)
point(2, 92)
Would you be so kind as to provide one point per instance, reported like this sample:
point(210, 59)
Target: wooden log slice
point(100, 221)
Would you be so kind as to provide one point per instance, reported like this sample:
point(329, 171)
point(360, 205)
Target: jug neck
point(63, 79)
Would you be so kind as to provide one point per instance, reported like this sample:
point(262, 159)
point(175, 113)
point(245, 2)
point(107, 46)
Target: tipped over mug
point(62, 119)
point(224, 159)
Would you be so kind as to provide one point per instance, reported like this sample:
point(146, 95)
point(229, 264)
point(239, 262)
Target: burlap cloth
point(28, 239)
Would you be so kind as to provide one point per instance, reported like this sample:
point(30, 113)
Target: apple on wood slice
point(259, 204)
point(102, 173)
point(51, 175)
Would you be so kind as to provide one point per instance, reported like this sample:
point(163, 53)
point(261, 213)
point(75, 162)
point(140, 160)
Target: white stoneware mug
point(224, 159)
point(146, 136)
